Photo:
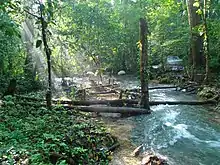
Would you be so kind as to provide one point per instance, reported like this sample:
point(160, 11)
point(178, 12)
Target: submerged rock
point(153, 159)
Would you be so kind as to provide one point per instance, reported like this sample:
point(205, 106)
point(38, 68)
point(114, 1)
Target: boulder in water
point(121, 72)
point(151, 158)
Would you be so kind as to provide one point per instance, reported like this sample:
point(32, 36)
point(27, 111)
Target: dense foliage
point(103, 35)
point(36, 135)
point(13, 57)
point(87, 35)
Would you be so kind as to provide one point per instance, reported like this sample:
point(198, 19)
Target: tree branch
point(36, 16)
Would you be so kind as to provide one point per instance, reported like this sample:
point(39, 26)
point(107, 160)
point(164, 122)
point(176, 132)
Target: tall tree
point(206, 39)
point(47, 50)
point(143, 64)
point(44, 18)
point(196, 53)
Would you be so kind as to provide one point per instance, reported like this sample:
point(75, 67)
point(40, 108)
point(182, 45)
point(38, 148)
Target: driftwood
point(189, 86)
point(106, 109)
point(113, 147)
point(105, 92)
point(137, 151)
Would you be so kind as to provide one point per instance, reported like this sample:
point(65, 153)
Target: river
point(185, 134)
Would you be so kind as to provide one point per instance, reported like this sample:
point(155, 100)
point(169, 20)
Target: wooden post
point(143, 64)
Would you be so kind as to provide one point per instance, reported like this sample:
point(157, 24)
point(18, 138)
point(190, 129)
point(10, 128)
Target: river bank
point(121, 128)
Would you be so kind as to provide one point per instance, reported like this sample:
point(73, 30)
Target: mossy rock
point(207, 92)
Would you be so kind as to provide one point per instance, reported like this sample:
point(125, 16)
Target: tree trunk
point(196, 53)
point(48, 54)
point(106, 109)
point(11, 88)
point(143, 67)
point(206, 42)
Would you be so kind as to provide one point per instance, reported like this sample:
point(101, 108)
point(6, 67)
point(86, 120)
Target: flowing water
point(185, 134)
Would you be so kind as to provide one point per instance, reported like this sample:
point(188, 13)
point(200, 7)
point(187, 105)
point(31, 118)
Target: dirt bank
point(121, 128)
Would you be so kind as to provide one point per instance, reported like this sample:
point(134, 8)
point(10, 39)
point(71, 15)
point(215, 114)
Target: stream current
point(185, 134)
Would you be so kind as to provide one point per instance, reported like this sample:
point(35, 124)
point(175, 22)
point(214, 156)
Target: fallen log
point(106, 109)
point(94, 102)
point(121, 102)
point(113, 147)
point(124, 101)
point(183, 102)
point(162, 87)
point(151, 88)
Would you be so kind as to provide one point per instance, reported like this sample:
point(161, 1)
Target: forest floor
point(117, 125)
point(120, 128)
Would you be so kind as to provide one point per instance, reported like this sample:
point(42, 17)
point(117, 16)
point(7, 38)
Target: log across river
point(123, 101)
point(184, 134)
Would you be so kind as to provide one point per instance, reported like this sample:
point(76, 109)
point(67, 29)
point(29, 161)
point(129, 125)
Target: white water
point(184, 134)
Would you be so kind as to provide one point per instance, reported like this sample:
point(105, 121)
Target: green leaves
point(10, 45)
point(47, 133)
point(196, 4)
point(199, 11)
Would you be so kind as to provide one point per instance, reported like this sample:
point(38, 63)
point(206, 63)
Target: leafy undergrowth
point(39, 136)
